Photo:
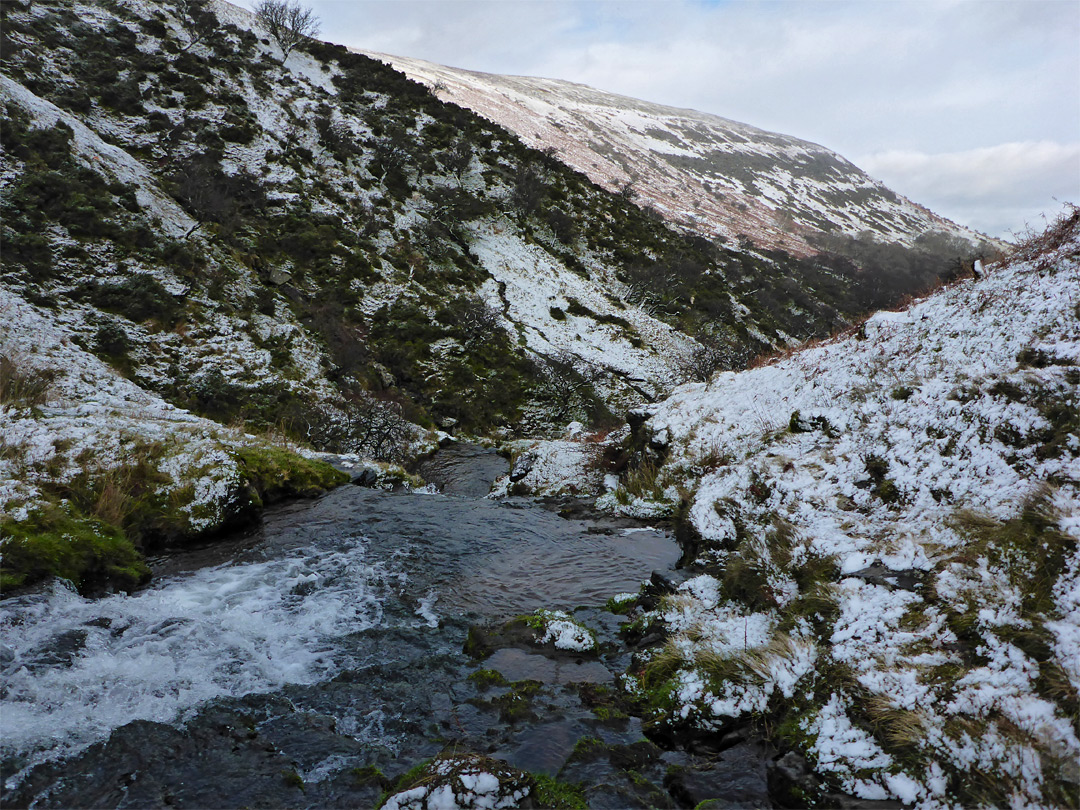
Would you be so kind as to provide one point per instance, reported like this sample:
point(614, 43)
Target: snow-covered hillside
point(887, 528)
point(715, 176)
point(95, 471)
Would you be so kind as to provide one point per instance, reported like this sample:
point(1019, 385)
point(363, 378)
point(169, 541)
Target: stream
point(284, 665)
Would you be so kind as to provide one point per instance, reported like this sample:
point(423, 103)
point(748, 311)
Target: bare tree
point(373, 428)
point(708, 357)
point(198, 20)
point(529, 190)
point(390, 155)
point(457, 158)
point(287, 22)
point(564, 385)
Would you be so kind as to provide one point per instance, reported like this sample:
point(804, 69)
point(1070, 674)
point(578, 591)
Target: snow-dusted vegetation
point(234, 268)
point(708, 174)
point(886, 526)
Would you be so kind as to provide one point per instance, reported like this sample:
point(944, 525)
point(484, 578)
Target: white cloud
point(996, 189)
point(863, 78)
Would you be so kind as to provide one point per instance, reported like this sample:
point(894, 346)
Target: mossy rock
point(54, 542)
point(273, 474)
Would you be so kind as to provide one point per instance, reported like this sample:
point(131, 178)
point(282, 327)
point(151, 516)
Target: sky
point(969, 107)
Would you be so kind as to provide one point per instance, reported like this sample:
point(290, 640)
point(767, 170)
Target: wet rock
point(218, 760)
point(841, 801)
point(791, 781)
point(60, 651)
point(367, 478)
point(627, 795)
point(633, 757)
point(645, 631)
point(522, 467)
point(909, 579)
point(736, 779)
point(659, 584)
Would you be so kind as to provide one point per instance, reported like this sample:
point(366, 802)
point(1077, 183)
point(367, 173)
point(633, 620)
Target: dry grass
point(897, 728)
point(23, 386)
point(1042, 246)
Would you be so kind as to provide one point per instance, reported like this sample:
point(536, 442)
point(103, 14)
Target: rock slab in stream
point(220, 759)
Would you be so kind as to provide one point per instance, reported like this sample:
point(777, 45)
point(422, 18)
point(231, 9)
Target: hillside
point(883, 531)
point(318, 249)
point(717, 177)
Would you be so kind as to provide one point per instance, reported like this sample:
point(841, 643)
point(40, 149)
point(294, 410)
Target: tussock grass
point(901, 731)
point(22, 386)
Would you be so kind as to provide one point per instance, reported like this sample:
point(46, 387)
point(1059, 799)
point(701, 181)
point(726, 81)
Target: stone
point(367, 478)
point(279, 276)
point(522, 467)
point(791, 782)
point(736, 779)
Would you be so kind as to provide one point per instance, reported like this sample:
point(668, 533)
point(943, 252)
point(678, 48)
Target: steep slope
point(321, 248)
point(95, 471)
point(885, 530)
point(717, 177)
point(323, 244)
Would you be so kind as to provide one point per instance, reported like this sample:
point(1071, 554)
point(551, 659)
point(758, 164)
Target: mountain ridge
point(780, 213)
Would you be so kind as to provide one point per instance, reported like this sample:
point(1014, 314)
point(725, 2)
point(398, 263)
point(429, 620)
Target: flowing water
point(328, 639)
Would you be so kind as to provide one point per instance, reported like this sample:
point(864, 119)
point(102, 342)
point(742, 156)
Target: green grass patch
point(273, 473)
point(549, 792)
point(64, 542)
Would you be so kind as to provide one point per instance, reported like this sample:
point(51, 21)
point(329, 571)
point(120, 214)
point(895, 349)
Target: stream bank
point(314, 661)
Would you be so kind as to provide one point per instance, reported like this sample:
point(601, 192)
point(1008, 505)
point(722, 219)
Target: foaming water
point(359, 581)
point(83, 667)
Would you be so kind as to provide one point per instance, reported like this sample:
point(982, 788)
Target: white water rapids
point(227, 630)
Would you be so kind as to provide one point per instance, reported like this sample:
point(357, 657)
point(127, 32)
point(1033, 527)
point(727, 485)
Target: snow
point(682, 160)
point(458, 784)
point(94, 413)
point(558, 468)
point(99, 155)
point(564, 633)
point(936, 401)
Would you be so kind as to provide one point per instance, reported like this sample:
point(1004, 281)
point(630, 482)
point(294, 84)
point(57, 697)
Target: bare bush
point(198, 19)
point(370, 427)
point(288, 23)
point(530, 188)
point(708, 357)
point(565, 385)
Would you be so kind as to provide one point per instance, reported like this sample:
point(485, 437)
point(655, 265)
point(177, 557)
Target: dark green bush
point(138, 298)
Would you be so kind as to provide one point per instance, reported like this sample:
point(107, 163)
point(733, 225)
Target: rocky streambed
point(322, 659)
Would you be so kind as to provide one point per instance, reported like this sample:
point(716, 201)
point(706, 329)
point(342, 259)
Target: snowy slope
point(889, 525)
point(715, 176)
point(93, 418)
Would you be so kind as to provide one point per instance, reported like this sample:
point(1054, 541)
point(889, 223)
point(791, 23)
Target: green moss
point(293, 779)
point(66, 543)
point(476, 645)
point(902, 392)
point(415, 776)
point(587, 748)
point(484, 679)
point(549, 792)
point(274, 473)
point(620, 607)
point(369, 775)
